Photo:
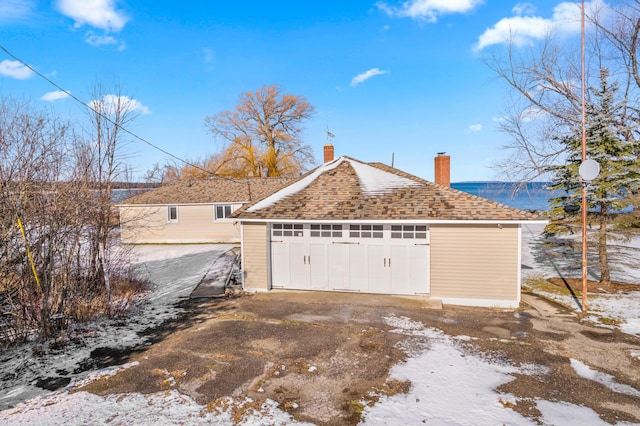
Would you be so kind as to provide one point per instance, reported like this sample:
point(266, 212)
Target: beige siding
point(148, 224)
point(475, 262)
point(255, 256)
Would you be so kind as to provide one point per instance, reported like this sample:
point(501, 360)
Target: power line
point(124, 129)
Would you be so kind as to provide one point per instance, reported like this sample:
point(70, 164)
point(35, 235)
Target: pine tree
point(611, 143)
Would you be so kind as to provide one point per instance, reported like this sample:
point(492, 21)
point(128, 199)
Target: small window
point(409, 232)
point(365, 231)
point(334, 231)
point(172, 214)
point(287, 230)
point(222, 211)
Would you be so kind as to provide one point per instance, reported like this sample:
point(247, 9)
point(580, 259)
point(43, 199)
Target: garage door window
point(286, 230)
point(418, 232)
point(334, 231)
point(365, 231)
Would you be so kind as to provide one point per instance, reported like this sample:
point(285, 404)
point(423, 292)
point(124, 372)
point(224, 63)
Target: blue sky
point(387, 77)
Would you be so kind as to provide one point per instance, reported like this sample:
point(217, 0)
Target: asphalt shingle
point(215, 190)
point(342, 190)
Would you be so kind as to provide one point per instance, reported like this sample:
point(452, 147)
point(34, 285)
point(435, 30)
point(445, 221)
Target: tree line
point(56, 217)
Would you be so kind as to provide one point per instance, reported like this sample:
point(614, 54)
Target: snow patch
point(631, 326)
point(296, 186)
point(376, 182)
point(159, 408)
point(447, 375)
point(605, 379)
point(373, 181)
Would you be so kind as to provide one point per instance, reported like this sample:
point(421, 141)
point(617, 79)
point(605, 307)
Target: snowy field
point(442, 391)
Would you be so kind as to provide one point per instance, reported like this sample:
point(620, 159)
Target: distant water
point(532, 196)
point(119, 195)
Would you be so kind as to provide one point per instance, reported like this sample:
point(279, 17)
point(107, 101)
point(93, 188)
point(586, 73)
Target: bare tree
point(544, 79)
point(263, 133)
point(109, 114)
point(55, 220)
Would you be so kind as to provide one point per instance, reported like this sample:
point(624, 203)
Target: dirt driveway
point(320, 355)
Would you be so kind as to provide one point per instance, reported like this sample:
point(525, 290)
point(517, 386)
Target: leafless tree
point(56, 218)
point(263, 134)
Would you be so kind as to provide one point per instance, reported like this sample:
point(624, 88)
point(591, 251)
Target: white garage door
point(370, 258)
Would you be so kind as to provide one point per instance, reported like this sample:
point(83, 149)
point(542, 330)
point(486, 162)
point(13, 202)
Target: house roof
point(348, 189)
point(215, 190)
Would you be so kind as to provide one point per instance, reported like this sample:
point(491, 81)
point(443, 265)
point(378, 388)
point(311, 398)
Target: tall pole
point(584, 183)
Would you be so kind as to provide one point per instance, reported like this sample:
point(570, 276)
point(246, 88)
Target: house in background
point(367, 227)
point(191, 211)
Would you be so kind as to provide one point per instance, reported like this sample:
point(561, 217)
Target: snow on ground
point(605, 379)
point(170, 407)
point(442, 389)
point(453, 385)
point(173, 270)
point(622, 309)
point(442, 392)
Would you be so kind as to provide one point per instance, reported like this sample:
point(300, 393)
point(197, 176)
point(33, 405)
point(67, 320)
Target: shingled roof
point(216, 190)
point(348, 189)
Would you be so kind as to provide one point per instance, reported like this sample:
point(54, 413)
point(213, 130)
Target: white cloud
point(105, 40)
point(111, 103)
point(15, 69)
point(55, 95)
point(475, 127)
point(523, 28)
point(523, 9)
point(429, 10)
point(15, 9)
point(96, 13)
point(96, 40)
point(366, 76)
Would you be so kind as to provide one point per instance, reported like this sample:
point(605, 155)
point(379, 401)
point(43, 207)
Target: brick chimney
point(442, 169)
point(328, 153)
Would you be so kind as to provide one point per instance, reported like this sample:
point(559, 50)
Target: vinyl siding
point(255, 256)
point(148, 224)
point(475, 262)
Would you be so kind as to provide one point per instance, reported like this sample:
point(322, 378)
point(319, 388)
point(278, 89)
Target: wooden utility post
point(584, 183)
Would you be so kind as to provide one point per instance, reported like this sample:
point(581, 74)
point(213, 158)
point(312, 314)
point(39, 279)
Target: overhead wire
point(124, 129)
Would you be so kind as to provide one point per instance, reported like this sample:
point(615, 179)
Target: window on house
point(365, 231)
point(418, 232)
point(222, 211)
point(287, 230)
point(334, 231)
point(172, 214)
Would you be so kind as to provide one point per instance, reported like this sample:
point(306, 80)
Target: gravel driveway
point(324, 356)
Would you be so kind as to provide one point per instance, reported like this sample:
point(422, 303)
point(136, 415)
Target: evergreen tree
point(610, 141)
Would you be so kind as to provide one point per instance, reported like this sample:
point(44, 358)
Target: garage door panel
point(318, 266)
point(279, 264)
point(358, 273)
point(378, 269)
point(338, 266)
point(399, 268)
point(299, 278)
